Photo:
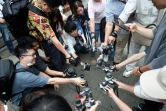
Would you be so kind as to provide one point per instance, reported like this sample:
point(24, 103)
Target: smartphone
point(121, 25)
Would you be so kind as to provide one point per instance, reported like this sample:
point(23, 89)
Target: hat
point(153, 83)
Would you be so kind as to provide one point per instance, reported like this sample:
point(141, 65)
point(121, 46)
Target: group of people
point(53, 32)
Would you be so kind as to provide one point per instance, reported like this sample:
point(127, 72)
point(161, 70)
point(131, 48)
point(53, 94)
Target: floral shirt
point(41, 23)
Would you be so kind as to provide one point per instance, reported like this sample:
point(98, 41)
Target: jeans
point(6, 36)
point(97, 33)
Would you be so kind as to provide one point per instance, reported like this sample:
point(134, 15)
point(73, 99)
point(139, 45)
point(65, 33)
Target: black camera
point(79, 105)
point(73, 62)
point(86, 66)
point(70, 73)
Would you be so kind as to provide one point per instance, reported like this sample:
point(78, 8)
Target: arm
point(120, 103)
point(126, 87)
point(145, 32)
point(92, 29)
point(108, 30)
point(131, 59)
point(77, 81)
point(53, 73)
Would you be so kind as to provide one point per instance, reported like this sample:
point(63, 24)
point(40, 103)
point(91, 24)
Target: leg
point(134, 48)
point(6, 37)
point(120, 45)
point(54, 54)
point(153, 106)
point(97, 31)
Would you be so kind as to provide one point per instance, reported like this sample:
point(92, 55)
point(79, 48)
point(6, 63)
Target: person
point(58, 24)
point(41, 29)
point(74, 47)
point(26, 81)
point(115, 7)
point(42, 63)
point(29, 98)
point(43, 104)
point(153, 90)
point(95, 15)
point(122, 106)
point(80, 18)
point(4, 31)
point(71, 2)
point(145, 15)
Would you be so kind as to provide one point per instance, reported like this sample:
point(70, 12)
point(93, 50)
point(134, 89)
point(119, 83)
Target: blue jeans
point(6, 36)
point(97, 33)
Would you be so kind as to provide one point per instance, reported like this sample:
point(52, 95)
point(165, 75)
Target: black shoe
point(86, 66)
point(135, 109)
point(141, 106)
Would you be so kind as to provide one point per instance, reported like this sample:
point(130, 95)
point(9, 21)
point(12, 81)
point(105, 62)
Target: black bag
point(15, 13)
point(7, 74)
point(7, 69)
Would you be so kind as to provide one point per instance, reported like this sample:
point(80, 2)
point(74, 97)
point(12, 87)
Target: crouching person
point(74, 47)
point(28, 78)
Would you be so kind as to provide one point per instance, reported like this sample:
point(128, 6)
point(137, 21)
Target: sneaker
point(141, 106)
point(135, 109)
point(126, 73)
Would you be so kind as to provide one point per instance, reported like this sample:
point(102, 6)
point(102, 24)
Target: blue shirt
point(113, 9)
point(25, 82)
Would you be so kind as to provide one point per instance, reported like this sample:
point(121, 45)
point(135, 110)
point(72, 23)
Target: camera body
point(108, 78)
point(70, 73)
point(73, 62)
point(66, 47)
point(79, 105)
point(89, 97)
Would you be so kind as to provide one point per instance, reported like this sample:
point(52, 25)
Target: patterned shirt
point(41, 23)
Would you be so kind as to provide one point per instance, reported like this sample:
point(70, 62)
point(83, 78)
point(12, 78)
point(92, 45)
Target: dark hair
point(27, 40)
point(49, 103)
point(22, 49)
point(75, 6)
point(29, 98)
point(69, 26)
point(53, 3)
point(103, 24)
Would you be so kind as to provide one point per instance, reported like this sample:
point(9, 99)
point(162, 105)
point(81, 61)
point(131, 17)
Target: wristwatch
point(114, 33)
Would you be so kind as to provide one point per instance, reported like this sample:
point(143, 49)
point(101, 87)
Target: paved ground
point(94, 77)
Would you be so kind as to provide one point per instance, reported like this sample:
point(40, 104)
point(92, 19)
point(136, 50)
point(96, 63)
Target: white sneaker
point(126, 73)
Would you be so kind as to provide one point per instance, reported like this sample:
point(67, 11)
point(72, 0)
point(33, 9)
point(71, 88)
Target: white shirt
point(71, 42)
point(138, 91)
point(1, 6)
point(146, 13)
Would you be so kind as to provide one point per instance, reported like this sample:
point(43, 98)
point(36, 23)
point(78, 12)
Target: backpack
point(7, 74)
point(15, 13)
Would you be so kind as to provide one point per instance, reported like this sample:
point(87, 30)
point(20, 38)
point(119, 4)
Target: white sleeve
point(130, 7)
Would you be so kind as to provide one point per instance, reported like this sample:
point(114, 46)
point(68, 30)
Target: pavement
point(94, 77)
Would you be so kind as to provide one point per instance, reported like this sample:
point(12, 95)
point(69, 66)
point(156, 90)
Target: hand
point(110, 92)
point(93, 42)
point(120, 84)
point(103, 44)
point(2, 20)
point(63, 75)
point(135, 71)
point(85, 23)
point(132, 26)
point(79, 81)
point(67, 59)
point(47, 59)
point(111, 39)
point(94, 107)
point(84, 42)
point(56, 87)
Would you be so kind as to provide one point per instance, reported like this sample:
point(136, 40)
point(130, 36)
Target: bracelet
point(140, 70)
point(114, 33)
point(93, 37)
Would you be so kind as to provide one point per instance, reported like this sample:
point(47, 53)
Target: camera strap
point(115, 88)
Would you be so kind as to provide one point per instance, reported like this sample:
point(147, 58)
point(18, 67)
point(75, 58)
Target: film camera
point(103, 57)
point(88, 102)
point(70, 73)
